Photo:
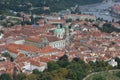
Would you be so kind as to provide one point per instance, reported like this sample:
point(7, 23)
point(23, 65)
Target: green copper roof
point(59, 31)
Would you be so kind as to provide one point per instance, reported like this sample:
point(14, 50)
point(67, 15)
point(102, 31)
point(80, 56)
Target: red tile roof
point(38, 39)
point(48, 49)
point(7, 67)
point(56, 21)
point(16, 47)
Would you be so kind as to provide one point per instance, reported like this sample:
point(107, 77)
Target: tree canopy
point(5, 77)
point(37, 5)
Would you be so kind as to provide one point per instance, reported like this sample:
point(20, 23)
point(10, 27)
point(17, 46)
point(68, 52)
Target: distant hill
point(37, 5)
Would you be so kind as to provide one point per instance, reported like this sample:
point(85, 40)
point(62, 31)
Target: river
point(100, 10)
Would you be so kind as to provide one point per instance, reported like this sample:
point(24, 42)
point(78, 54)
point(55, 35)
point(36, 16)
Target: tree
point(5, 76)
point(52, 65)
point(99, 66)
point(6, 54)
point(18, 15)
point(78, 19)
point(15, 73)
point(31, 77)
point(86, 67)
point(2, 17)
point(98, 77)
point(45, 76)
point(20, 76)
point(72, 75)
point(108, 27)
point(118, 61)
point(62, 72)
point(118, 74)
point(59, 74)
point(63, 61)
point(36, 71)
point(78, 60)
point(11, 58)
point(76, 71)
point(113, 20)
point(68, 20)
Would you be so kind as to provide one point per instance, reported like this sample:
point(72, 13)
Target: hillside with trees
point(37, 5)
point(63, 69)
point(77, 69)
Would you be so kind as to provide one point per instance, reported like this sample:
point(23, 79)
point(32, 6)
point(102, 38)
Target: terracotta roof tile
point(48, 49)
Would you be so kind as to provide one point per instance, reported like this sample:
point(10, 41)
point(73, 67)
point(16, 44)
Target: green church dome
point(59, 31)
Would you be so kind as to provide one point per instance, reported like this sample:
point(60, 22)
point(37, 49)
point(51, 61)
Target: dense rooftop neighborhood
point(32, 46)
